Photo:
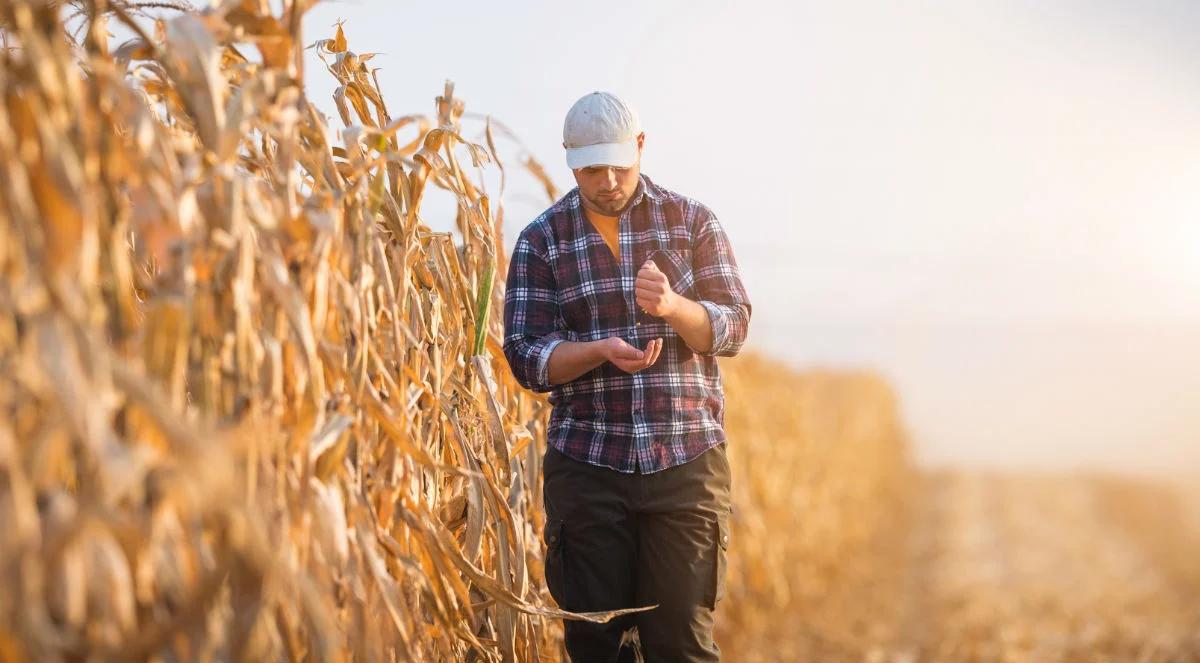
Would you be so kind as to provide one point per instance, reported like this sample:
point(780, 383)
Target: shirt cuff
point(720, 326)
point(543, 365)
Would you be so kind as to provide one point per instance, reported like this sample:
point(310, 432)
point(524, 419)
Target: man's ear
point(641, 139)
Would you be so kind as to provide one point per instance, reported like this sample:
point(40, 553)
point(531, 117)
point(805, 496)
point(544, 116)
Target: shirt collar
point(645, 188)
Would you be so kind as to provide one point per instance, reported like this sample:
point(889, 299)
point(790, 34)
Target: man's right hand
point(629, 358)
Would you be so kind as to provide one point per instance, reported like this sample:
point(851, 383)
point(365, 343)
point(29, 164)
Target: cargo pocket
point(555, 573)
point(721, 550)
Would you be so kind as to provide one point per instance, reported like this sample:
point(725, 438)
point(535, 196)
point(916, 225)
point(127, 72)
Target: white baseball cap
point(601, 129)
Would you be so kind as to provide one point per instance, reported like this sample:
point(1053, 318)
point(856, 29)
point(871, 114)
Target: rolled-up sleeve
point(719, 287)
point(532, 325)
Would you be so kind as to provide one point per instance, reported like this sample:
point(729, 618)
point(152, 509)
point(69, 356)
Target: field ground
point(1012, 567)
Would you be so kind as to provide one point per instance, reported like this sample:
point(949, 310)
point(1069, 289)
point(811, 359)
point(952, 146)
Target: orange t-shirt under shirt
point(607, 227)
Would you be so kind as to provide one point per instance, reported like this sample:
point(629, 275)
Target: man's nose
point(610, 177)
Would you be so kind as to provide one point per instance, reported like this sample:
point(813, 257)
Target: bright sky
point(994, 204)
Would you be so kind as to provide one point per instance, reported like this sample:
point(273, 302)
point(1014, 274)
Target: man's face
point(606, 189)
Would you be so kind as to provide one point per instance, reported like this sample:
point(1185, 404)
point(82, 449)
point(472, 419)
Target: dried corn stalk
point(252, 407)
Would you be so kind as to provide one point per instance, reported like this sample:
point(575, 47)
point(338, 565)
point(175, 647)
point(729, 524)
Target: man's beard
point(610, 207)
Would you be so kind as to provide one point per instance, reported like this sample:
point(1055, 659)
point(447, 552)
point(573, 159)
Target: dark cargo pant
point(617, 540)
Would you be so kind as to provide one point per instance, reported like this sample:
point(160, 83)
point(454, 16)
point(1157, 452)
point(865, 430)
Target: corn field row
point(253, 408)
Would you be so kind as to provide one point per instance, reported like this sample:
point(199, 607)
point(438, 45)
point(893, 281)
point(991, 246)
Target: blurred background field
point(845, 551)
point(253, 405)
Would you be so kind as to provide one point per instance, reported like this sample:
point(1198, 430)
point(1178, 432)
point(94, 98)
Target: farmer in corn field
point(619, 299)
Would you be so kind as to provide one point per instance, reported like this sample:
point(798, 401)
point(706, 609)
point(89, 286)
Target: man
point(619, 298)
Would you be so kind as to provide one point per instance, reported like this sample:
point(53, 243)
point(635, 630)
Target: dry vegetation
point(1064, 569)
point(821, 485)
point(843, 553)
point(253, 408)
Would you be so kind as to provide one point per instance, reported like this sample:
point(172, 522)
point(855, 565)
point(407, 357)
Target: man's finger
point(646, 357)
point(654, 347)
point(631, 353)
point(650, 289)
point(627, 351)
point(651, 277)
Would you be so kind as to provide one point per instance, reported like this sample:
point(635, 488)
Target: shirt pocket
point(677, 265)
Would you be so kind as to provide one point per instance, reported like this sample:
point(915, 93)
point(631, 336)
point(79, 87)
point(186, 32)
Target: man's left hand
point(653, 291)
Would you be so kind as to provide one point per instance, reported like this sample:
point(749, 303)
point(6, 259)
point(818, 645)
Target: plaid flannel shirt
point(565, 284)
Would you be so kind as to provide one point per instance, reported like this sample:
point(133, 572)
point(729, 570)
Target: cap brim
point(619, 155)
